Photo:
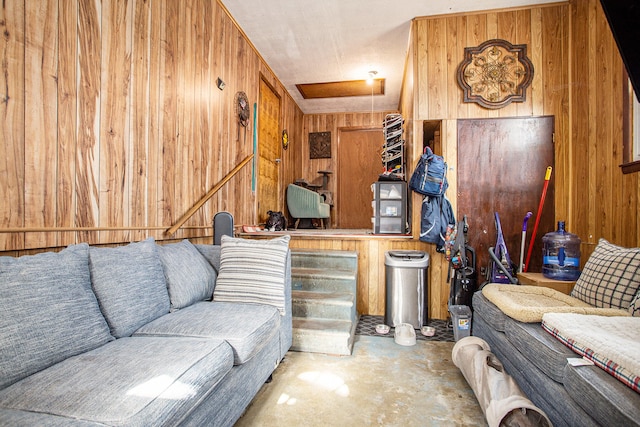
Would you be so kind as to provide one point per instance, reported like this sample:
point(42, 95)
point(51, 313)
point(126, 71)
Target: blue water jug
point(561, 255)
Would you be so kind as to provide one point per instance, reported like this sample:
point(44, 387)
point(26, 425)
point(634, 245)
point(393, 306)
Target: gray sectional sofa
point(142, 334)
point(549, 370)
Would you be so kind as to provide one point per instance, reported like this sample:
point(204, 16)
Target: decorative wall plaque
point(495, 73)
point(320, 145)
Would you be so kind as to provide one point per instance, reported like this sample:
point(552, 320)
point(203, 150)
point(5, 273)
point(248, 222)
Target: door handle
point(278, 161)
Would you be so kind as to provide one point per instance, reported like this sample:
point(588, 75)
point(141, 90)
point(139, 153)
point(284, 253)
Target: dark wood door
point(501, 168)
point(359, 165)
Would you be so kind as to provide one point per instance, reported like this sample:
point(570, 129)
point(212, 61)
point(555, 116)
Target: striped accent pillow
point(610, 278)
point(252, 271)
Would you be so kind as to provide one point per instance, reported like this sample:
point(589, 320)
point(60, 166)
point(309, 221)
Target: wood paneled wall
point(578, 79)
point(600, 201)
point(431, 90)
point(111, 121)
point(333, 122)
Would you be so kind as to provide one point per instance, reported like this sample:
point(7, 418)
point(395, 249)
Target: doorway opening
point(358, 168)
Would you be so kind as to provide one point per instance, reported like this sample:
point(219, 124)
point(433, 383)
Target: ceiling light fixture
point(372, 74)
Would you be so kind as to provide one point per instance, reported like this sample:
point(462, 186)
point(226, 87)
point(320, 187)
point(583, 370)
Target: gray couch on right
point(546, 360)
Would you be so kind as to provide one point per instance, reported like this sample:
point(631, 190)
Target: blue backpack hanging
point(437, 216)
point(430, 176)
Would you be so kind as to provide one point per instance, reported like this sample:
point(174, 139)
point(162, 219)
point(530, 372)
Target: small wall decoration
point(285, 139)
point(495, 73)
point(320, 145)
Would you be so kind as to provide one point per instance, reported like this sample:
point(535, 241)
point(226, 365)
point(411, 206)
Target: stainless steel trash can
point(406, 288)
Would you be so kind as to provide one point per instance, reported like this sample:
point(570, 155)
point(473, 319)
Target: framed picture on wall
point(320, 145)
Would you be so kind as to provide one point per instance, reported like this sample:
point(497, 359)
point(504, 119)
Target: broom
point(547, 177)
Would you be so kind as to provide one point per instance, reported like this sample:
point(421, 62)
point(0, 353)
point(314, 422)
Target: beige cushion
point(529, 303)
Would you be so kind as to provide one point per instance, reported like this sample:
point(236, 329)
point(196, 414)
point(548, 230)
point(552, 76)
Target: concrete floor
point(381, 384)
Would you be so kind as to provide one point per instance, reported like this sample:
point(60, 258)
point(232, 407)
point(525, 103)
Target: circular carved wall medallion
point(495, 73)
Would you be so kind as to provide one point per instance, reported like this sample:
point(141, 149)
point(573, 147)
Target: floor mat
point(367, 326)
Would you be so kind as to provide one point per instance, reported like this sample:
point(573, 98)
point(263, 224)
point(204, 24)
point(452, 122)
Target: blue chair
point(304, 203)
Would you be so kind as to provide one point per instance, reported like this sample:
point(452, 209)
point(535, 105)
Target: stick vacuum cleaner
point(462, 269)
point(501, 270)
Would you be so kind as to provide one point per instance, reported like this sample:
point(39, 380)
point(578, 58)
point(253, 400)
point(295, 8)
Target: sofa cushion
point(252, 271)
point(15, 418)
point(190, 278)
point(548, 395)
point(130, 285)
point(542, 350)
point(211, 253)
point(488, 311)
point(246, 327)
point(609, 401)
point(48, 311)
point(130, 381)
point(611, 276)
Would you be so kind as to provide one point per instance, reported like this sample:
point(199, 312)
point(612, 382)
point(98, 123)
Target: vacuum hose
point(502, 268)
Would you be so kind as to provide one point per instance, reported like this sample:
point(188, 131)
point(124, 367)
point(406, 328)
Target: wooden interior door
point(359, 165)
point(501, 168)
point(269, 152)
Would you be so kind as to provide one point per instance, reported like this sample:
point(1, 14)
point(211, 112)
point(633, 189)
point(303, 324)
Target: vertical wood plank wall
point(333, 122)
point(577, 79)
point(111, 120)
point(437, 48)
point(600, 200)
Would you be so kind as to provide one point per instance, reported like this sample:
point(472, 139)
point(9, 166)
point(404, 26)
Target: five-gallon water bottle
point(561, 255)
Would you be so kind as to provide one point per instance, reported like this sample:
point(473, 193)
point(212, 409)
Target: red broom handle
point(547, 177)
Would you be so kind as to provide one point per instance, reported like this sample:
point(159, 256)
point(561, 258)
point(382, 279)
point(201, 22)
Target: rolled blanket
point(529, 303)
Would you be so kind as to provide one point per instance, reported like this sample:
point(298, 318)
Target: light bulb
point(371, 76)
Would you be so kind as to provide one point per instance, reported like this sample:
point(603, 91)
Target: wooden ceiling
point(341, 89)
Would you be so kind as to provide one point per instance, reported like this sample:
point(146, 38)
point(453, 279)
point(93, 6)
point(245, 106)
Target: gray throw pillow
point(211, 253)
point(48, 311)
point(190, 277)
point(252, 271)
point(130, 285)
